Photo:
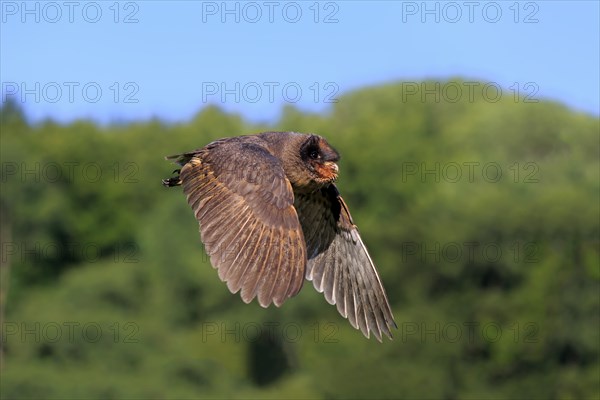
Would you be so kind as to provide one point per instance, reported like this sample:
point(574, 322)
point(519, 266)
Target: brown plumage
point(270, 216)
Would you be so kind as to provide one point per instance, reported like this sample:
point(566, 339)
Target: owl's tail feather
point(173, 181)
point(179, 159)
point(182, 159)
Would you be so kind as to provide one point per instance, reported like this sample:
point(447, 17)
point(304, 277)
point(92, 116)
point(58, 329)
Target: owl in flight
point(270, 216)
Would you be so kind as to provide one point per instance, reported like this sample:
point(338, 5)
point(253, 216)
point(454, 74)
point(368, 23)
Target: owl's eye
point(314, 154)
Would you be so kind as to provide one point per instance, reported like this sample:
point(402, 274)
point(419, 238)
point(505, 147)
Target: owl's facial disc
point(320, 159)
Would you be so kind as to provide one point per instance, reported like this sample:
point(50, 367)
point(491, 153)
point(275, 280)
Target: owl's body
point(270, 216)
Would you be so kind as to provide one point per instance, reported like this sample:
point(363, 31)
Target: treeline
point(482, 215)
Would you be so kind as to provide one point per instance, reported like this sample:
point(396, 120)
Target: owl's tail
point(173, 181)
point(181, 160)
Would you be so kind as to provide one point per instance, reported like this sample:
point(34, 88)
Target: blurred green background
point(482, 218)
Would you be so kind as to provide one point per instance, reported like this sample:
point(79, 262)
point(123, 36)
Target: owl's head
point(319, 159)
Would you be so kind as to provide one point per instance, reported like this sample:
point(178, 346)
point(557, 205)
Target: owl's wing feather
point(339, 264)
point(244, 203)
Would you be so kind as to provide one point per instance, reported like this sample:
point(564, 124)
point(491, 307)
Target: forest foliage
point(482, 217)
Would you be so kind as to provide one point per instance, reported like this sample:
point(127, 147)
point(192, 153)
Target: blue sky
point(121, 61)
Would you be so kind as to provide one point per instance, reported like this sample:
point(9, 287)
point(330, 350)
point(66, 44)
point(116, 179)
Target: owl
point(271, 216)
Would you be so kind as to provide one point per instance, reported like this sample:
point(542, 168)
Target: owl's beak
point(332, 169)
point(332, 166)
point(326, 171)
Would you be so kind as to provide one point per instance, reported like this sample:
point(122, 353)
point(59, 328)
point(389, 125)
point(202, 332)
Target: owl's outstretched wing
point(339, 264)
point(248, 224)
